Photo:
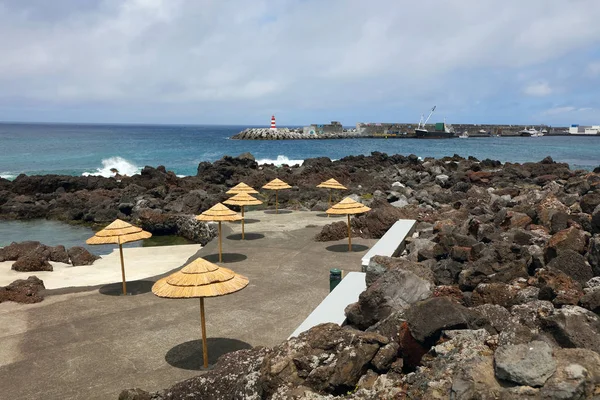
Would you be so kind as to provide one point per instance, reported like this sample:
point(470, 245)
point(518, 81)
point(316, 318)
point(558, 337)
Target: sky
point(305, 61)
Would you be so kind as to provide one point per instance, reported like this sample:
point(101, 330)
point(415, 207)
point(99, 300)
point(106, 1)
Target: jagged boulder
point(326, 359)
point(572, 264)
point(573, 326)
point(13, 251)
point(568, 239)
point(395, 290)
point(81, 256)
point(529, 364)
point(428, 318)
point(27, 291)
point(334, 231)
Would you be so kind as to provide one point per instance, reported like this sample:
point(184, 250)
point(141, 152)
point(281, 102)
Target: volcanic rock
point(528, 364)
point(81, 256)
point(557, 287)
point(577, 375)
point(589, 202)
point(28, 291)
point(15, 250)
point(334, 231)
point(326, 359)
point(594, 255)
point(573, 326)
point(501, 294)
point(591, 301)
point(426, 319)
point(572, 264)
point(395, 290)
point(568, 239)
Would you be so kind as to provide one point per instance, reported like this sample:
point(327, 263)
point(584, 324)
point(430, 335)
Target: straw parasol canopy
point(276, 185)
point(331, 184)
point(348, 206)
point(241, 188)
point(241, 200)
point(219, 213)
point(119, 232)
point(200, 279)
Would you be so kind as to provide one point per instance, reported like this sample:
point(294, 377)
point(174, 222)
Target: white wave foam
point(279, 161)
point(7, 175)
point(120, 164)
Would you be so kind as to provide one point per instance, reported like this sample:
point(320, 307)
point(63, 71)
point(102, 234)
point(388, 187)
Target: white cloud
point(559, 110)
point(274, 53)
point(593, 69)
point(555, 111)
point(538, 89)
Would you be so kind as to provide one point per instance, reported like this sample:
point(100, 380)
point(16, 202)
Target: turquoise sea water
point(53, 233)
point(78, 149)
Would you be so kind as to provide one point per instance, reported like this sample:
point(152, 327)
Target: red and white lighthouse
point(273, 126)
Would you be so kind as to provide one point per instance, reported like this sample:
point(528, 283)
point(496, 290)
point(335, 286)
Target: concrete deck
point(92, 345)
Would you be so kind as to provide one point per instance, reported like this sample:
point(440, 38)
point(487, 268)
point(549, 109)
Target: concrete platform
point(88, 345)
point(140, 263)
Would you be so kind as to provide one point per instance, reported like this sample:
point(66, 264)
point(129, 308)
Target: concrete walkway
point(92, 345)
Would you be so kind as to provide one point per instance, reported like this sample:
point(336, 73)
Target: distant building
point(320, 129)
point(575, 129)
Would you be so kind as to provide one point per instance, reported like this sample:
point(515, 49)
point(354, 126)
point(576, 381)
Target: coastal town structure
point(576, 129)
point(336, 130)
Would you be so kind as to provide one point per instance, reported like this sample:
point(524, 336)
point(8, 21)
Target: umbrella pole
point(349, 235)
point(203, 321)
point(276, 202)
point(122, 268)
point(220, 246)
point(329, 201)
point(242, 222)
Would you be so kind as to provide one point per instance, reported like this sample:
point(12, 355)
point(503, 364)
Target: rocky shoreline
point(496, 296)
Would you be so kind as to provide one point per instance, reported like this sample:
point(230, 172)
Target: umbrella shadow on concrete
point(133, 288)
point(247, 221)
point(278, 212)
point(325, 215)
point(226, 257)
point(343, 248)
point(188, 355)
point(248, 236)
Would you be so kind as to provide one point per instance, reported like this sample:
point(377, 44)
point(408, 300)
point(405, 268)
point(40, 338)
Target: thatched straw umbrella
point(119, 232)
point(241, 200)
point(200, 279)
point(276, 185)
point(219, 213)
point(331, 184)
point(241, 188)
point(348, 206)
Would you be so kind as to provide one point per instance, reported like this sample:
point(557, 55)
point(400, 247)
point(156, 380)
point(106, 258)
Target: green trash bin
point(335, 277)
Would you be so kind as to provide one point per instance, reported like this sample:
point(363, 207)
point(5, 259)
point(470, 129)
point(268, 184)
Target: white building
point(575, 129)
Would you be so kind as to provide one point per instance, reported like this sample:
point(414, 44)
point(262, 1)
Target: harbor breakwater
point(384, 130)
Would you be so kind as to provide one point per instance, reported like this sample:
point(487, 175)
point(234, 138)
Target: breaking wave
point(279, 161)
point(7, 175)
point(120, 164)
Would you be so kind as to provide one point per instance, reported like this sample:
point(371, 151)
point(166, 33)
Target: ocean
point(73, 149)
point(80, 149)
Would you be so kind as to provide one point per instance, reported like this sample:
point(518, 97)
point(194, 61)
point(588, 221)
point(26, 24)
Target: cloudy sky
point(306, 61)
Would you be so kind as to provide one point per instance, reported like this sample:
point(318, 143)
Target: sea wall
point(288, 134)
point(399, 130)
